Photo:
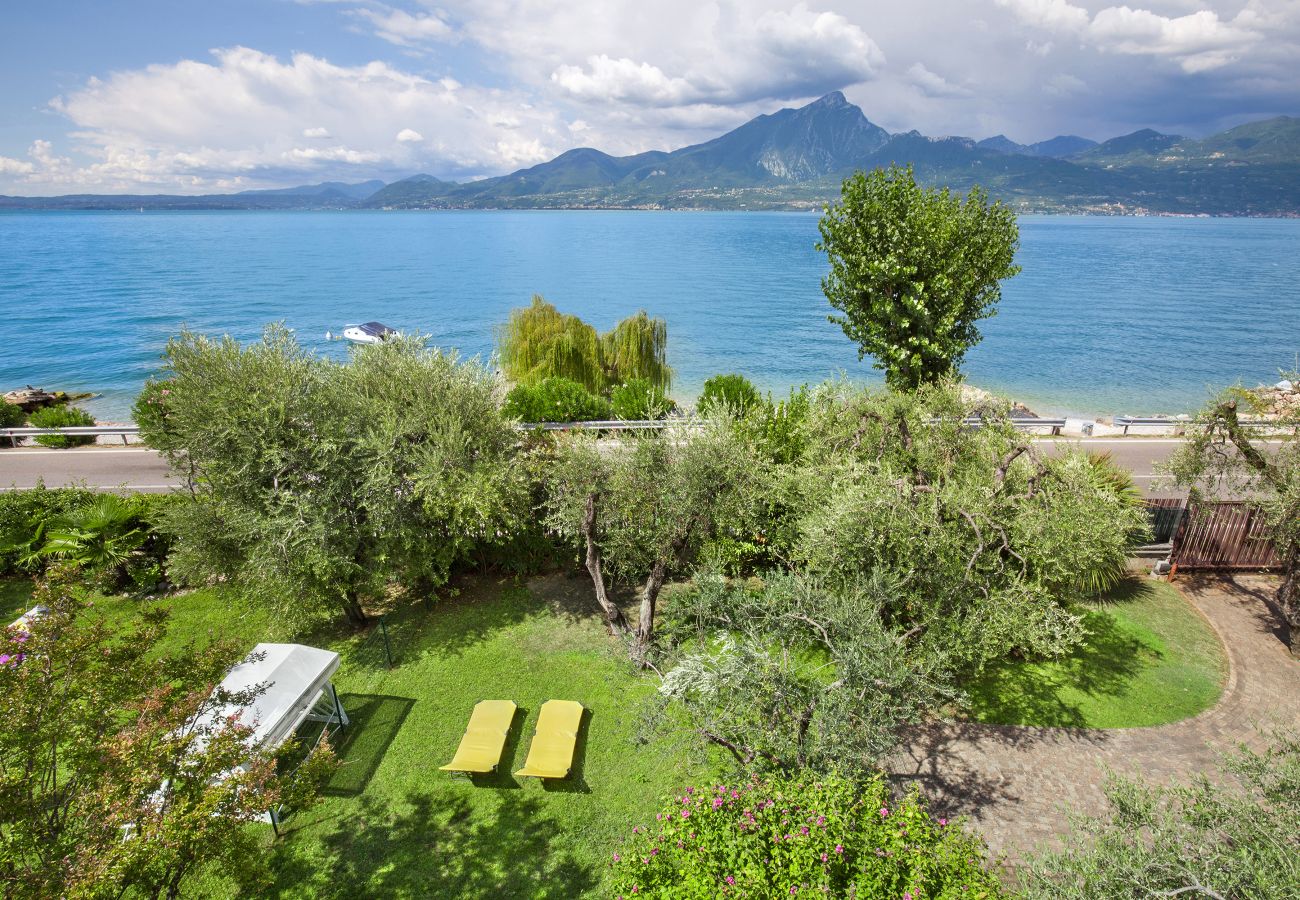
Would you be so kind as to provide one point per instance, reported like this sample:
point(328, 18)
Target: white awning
point(294, 676)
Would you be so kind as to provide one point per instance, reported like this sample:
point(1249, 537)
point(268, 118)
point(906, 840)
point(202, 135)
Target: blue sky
point(188, 97)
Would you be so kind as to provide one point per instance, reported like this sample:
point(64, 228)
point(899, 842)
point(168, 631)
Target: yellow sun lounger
point(551, 752)
point(485, 738)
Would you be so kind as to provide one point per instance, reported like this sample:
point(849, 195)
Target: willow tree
point(538, 342)
point(638, 348)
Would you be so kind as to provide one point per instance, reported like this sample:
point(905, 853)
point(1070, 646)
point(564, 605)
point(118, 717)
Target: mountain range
point(797, 158)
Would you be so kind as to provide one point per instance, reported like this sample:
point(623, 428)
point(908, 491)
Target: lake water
point(1110, 315)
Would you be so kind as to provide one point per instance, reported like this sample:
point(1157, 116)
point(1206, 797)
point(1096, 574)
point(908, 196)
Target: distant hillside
point(797, 159)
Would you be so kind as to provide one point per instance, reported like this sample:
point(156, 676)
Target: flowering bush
point(800, 837)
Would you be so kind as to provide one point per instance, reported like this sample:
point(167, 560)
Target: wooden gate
point(1223, 534)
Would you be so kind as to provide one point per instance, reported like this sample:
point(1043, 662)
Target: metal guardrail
point(126, 431)
point(71, 431)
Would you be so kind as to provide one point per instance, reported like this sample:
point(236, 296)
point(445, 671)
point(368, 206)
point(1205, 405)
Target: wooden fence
point(1222, 534)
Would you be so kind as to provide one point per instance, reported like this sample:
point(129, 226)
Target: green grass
point(1149, 659)
point(392, 825)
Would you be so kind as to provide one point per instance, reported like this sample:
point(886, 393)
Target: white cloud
point(779, 54)
point(1198, 41)
point(10, 166)
point(238, 120)
point(934, 85)
point(405, 29)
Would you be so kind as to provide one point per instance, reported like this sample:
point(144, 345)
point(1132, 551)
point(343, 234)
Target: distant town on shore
point(796, 159)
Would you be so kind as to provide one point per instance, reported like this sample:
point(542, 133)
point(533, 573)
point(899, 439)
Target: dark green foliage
point(24, 516)
point(554, 399)
point(807, 835)
point(913, 269)
point(11, 415)
point(1198, 840)
point(637, 399)
point(61, 417)
point(729, 394)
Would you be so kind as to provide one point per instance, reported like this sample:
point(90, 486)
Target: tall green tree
point(116, 777)
point(913, 269)
point(317, 485)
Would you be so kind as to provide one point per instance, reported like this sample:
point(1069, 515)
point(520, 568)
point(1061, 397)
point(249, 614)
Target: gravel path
point(1015, 783)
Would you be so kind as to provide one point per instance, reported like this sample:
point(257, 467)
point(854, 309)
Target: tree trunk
point(613, 615)
point(1288, 598)
point(352, 609)
point(645, 626)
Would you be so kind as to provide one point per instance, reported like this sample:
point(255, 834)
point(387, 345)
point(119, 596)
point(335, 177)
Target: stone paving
point(1015, 783)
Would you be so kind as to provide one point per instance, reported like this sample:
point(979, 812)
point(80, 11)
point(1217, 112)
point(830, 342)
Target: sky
point(190, 96)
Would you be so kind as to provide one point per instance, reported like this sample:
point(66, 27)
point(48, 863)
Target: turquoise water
point(1109, 315)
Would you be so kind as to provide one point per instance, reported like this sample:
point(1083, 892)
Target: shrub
point(784, 837)
point(24, 516)
point(11, 415)
point(62, 417)
point(732, 394)
point(554, 400)
point(638, 398)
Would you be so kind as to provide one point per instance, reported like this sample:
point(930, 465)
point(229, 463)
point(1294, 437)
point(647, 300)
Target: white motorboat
point(366, 333)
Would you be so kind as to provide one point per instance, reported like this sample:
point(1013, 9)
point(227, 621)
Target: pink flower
point(617, 857)
point(943, 821)
point(907, 895)
point(659, 816)
point(793, 889)
point(636, 829)
point(730, 880)
point(686, 814)
point(823, 857)
point(717, 802)
point(839, 848)
point(883, 812)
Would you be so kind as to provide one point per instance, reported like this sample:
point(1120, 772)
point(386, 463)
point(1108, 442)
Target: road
point(103, 468)
point(141, 469)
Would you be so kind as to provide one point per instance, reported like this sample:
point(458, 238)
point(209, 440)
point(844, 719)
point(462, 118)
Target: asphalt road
point(103, 468)
point(141, 469)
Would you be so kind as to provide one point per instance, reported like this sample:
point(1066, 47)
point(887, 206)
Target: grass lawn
point(392, 825)
point(1149, 659)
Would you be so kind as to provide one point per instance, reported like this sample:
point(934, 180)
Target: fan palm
point(100, 535)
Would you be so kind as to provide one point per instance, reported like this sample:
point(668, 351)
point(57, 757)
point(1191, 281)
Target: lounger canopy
point(554, 741)
point(485, 738)
point(297, 679)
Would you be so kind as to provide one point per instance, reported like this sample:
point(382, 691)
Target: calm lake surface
point(1109, 315)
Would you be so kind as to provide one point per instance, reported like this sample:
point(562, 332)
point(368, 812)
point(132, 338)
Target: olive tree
point(791, 673)
point(1220, 457)
point(317, 484)
point(990, 542)
point(923, 549)
point(643, 507)
point(912, 270)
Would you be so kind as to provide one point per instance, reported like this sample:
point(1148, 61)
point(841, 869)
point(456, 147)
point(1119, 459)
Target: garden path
point(1015, 783)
